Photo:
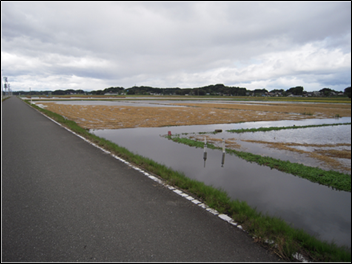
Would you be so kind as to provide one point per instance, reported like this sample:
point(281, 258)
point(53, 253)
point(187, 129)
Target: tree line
point(217, 89)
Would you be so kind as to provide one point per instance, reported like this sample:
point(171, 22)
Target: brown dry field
point(114, 117)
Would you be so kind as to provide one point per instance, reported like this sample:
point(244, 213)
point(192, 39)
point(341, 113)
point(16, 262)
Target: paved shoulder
point(65, 200)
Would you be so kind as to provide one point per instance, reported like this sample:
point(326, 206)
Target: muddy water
point(320, 210)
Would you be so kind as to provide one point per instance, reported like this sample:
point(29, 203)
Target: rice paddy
point(205, 112)
point(114, 117)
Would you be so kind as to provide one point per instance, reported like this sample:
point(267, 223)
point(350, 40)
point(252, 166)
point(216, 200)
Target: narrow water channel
point(319, 210)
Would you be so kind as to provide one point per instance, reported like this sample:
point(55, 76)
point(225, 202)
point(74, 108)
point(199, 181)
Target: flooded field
point(320, 210)
point(326, 147)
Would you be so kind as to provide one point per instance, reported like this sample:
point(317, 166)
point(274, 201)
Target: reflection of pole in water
point(205, 150)
point(223, 153)
point(223, 160)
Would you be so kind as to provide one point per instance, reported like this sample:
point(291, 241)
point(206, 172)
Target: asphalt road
point(64, 200)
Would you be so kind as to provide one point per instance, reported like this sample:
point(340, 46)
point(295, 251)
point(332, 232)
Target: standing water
point(317, 209)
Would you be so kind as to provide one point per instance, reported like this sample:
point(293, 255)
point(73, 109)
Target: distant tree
point(201, 92)
point(59, 92)
point(326, 91)
point(97, 92)
point(277, 91)
point(260, 91)
point(113, 90)
point(236, 91)
point(211, 89)
point(348, 92)
point(70, 91)
point(298, 90)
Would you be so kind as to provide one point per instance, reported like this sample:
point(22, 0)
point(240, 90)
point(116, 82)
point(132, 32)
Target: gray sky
point(95, 45)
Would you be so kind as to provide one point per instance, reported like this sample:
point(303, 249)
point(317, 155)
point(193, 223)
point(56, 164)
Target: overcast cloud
point(95, 45)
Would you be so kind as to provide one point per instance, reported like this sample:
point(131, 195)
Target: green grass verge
point(281, 128)
point(287, 239)
point(334, 179)
point(5, 98)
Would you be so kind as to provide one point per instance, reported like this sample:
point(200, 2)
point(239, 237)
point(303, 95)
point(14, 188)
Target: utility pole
point(2, 87)
point(6, 85)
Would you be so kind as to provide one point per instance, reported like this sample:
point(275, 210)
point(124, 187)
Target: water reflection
point(223, 153)
point(317, 209)
point(223, 159)
point(205, 150)
point(323, 147)
point(205, 153)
